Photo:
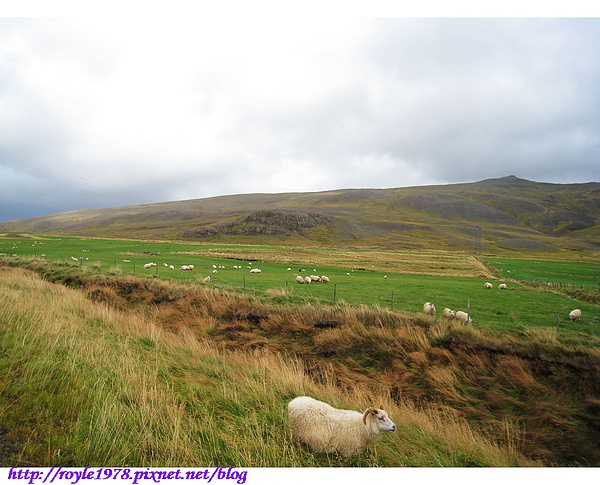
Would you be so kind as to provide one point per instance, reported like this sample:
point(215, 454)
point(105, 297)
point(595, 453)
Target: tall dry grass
point(84, 383)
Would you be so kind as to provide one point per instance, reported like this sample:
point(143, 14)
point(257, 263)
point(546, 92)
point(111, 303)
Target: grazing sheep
point(502, 286)
point(488, 286)
point(429, 308)
point(315, 277)
point(149, 265)
point(255, 270)
point(448, 314)
point(171, 267)
point(187, 267)
point(463, 317)
point(324, 279)
point(299, 279)
point(206, 280)
point(575, 314)
point(308, 280)
point(385, 277)
point(325, 429)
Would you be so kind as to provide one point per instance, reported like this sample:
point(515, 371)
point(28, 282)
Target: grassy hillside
point(82, 383)
point(137, 371)
point(492, 216)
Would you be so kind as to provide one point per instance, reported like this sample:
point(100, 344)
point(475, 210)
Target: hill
point(491, 215)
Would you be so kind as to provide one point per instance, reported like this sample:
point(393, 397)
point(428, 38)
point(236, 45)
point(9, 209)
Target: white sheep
point(448, 314)
point(463, 317)
point(324, 279)
point(255, 270)
point(308, 280)
point(299, 279)
point(488, 285)
point(186, 267)
point(315, 277)
point(502, 286)
point(149, 265)
point(429, 308)
point(575, 314)
point(206, 280)
point(325, 429)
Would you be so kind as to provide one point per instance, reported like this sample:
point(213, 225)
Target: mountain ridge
point(520, 213)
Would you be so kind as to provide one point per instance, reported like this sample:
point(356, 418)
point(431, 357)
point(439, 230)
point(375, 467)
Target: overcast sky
point(108, 112)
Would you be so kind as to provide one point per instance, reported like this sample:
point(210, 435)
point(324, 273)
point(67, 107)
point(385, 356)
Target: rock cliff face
point(261, 222)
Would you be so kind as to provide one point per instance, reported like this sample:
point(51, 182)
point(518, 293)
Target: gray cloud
point(166, 111)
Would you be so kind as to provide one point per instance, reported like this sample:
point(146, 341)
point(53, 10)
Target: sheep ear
point(367, 412)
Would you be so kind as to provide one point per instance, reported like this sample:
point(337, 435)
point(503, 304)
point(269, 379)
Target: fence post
point(334, 291)
point(468, 310)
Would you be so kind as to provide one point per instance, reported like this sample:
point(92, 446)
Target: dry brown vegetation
point(549, 392)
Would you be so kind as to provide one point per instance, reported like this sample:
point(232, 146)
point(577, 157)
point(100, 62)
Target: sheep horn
point(367, 412)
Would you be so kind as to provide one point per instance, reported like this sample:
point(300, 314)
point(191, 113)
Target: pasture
point(392, 280)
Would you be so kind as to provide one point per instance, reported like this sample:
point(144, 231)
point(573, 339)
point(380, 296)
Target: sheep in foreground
point(575, 314)
point(255, 271)
point(324, 279)
point(448, 314)
point(429, 308)
point(488, 285)
point(308, 280)
point(149, 265)
point(299, 279)
point(502, 286)
point(325, 429)
point(463, 317)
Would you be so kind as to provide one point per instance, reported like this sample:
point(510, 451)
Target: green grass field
point(124, 366)
point(356, 277)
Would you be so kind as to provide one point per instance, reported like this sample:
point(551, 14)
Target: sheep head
point(380, 419)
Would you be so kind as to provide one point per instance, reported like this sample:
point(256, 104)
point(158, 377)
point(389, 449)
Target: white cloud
point(107, 112)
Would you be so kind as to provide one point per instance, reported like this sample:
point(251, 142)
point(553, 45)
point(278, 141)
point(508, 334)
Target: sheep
point(463, 317)
point(429, 308)
point(448, 314)
point(488, 286)
point(171, 267)
point(575, 314)
point(299, 279)
point(315, 277)
point(308, 280)
point(502, 286)
point(206, 280)
point(325, 429)
point(187, 267)
point(324, 279)
point(149, 265)
point(255, 270)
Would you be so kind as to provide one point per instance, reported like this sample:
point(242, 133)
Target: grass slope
point(84, 384)
point(201, 374)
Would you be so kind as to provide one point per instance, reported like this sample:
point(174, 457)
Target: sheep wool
point(429, 308)
point(575, 314)
point(325, 429)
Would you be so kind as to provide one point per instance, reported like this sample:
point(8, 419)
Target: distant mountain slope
point(495, 214)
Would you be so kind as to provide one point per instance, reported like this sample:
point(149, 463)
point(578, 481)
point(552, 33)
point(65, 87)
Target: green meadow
point(103, 362)
point(393, 280)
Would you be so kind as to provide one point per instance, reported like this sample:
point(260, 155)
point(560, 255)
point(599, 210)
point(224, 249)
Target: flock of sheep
point(429, 309)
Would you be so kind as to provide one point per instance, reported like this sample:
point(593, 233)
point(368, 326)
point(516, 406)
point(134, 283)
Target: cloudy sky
point(106, 112)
